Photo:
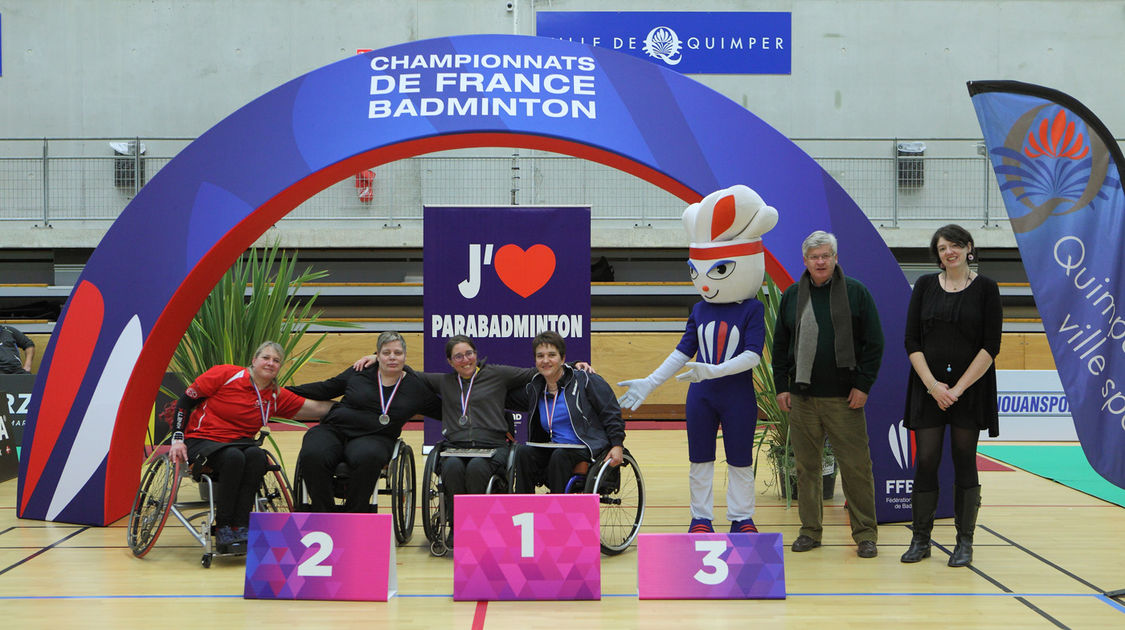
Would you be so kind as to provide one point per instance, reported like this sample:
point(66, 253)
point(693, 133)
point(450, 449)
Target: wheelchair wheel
point(621, 495)
point(301, 500)
point(432, 523)
point(153, 503)
point(273, 493)
point(400, 478)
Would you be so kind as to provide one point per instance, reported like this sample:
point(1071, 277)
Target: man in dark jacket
point(827, 347)
point(574, 411)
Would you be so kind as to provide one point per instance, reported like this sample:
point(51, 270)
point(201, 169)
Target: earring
point(971, 257)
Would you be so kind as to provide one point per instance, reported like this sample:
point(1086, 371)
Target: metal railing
point(60, 179)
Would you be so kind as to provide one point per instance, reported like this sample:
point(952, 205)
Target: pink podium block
point(710, 566)
point(320, 556)
point(527, 546)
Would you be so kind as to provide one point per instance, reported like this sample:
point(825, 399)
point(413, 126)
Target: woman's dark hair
point(955, 234)
point(549, 338)
point(454, 340)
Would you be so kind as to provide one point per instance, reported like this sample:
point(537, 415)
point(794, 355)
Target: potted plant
point(773, 423)
point(231, 324)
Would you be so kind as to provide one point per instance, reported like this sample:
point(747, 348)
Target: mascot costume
point(725, 333)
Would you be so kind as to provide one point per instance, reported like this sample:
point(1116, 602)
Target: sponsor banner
point(1033, 407)
point(9, 465)
point(892, 461)
point(16, 390)
point(690, 42)
point(1059, 171)
point(501, 276)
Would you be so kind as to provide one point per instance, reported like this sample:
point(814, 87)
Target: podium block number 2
point(309, 555)
point(312, 566)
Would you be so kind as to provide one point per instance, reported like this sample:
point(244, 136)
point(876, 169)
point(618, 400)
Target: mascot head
point(726, 260)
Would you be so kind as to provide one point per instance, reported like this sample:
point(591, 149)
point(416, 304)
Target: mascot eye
point(721, 270)
point(691, 271)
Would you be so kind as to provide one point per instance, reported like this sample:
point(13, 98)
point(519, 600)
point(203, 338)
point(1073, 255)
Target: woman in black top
point(953, 331)
point(362, 428)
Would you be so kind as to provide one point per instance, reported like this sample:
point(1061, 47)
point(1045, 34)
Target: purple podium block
point(320, 556)
point(710, 566)
point(527, 546)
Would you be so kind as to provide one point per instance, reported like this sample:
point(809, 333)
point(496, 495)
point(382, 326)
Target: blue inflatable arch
point(140, 288)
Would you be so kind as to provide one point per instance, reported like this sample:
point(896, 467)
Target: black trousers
point(238, 470)
point(470, 475)
point(552, 467)
point(324, 447)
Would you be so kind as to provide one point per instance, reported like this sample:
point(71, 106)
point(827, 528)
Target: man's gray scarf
point(807, 329)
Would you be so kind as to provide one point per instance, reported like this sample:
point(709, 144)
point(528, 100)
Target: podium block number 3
point(312, 566)
point(713, 549)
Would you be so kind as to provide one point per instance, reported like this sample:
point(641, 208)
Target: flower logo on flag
point(1053, 165)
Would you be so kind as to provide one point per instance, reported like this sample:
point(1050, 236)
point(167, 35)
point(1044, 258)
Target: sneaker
point(867, 549)
point(224, 539)
point(701, 526)
point(804, 543)
point(242, 534)
point(745, 526)
point(449, 540)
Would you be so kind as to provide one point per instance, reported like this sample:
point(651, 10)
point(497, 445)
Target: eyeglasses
point(820, 257)
point(465, 356)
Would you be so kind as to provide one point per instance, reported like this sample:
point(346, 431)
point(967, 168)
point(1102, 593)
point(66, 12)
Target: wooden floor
point(1044, 554)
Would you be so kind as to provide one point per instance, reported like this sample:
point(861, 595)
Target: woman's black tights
point(927, 458)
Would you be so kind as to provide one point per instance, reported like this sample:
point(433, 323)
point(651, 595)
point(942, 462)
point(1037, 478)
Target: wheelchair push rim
point(621, 503)
point(401, 481)
point(153, 503)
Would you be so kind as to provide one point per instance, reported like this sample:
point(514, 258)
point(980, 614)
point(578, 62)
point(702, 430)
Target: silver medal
point(384, 419)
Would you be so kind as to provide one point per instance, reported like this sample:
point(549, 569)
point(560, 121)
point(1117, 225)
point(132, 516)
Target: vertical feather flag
point(1059, 171)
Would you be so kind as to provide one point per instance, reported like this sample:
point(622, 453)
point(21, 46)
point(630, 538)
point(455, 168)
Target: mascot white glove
point(703, 371)
point(640, 388)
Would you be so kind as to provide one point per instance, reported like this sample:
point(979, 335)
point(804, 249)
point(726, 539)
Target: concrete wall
point(861, 68)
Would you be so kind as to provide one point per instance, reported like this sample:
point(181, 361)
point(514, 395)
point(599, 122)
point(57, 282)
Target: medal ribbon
point(465, 394)
point(387, 405)
point(550, 412)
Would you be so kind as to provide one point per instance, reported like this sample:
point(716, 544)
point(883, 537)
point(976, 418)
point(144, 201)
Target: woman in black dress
point(362, 428)
point(953, 331)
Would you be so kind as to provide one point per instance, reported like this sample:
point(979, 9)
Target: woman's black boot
point(924, 506)
point(966, 504)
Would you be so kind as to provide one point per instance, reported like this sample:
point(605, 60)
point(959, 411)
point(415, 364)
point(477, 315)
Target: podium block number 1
point(526, 523)
point(526, 546)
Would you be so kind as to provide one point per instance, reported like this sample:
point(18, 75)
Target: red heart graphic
point(525, 272)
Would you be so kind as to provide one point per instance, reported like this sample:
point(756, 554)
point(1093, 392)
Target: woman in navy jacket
point(564, 406)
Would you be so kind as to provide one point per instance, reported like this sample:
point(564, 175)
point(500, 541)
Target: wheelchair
point(158, 497)
point(621, 497)
point(435, 522)
point(397, 478)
